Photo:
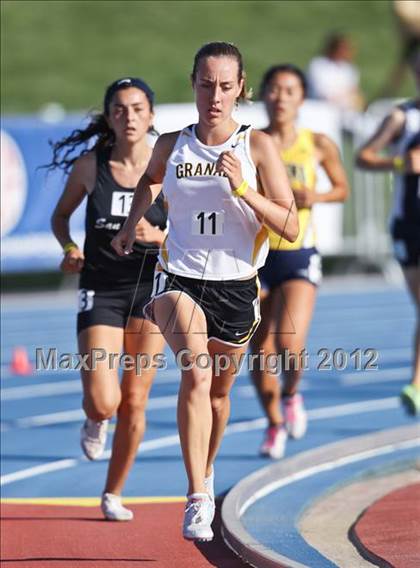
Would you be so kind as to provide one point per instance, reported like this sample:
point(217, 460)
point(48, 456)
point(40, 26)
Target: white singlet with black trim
point(212, 234)
point(410, 130)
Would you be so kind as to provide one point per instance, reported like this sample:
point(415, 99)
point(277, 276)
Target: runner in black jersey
point(400, 132)
point(112, 289)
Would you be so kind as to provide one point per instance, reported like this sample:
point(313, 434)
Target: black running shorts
point(231, 307)
point(406, 243)
point(112, 306)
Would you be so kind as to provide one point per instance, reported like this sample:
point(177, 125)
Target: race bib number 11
point(208, 223)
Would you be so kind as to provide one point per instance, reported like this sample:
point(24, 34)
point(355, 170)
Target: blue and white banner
point(29, 194)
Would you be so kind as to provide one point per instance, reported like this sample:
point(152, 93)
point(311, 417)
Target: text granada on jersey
point(199, 169)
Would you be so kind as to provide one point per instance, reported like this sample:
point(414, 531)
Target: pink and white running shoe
point(295, 417)
point(274, 444)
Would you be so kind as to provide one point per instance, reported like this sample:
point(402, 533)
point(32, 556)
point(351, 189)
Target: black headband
point(125, 83)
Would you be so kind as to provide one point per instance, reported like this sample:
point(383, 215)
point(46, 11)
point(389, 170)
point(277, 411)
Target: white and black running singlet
point(212, 235)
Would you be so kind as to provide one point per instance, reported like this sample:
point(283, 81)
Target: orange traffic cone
point(20, 364)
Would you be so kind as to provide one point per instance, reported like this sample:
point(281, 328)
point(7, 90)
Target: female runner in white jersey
point(400, 132)
point(205, 298)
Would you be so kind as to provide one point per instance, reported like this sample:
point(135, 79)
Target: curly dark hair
point(64, 154)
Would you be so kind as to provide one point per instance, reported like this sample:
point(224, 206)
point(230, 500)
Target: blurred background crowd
point(57, 57)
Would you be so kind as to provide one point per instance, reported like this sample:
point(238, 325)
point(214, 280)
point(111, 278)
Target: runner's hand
point(123, 241)
point(304, 198)
point(147, 233)
point(228, 164)
point(73, 261)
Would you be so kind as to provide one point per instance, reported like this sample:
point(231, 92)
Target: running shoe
point(295, 417)
point(197, 518)
point(113, 509)
point(209, 485)
point(274, 444)
point(410, 398)
point(93, 438)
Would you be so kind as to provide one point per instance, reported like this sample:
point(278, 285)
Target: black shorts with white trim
point(112, 306)
point(231, 307)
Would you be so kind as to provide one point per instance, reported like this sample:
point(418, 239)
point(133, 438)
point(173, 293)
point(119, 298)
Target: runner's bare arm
point(277, 206)
point(80, 182)
point(148, 188)
point(369, 156)
point(329, 158)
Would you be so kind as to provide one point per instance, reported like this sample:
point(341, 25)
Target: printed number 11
point(202, 218)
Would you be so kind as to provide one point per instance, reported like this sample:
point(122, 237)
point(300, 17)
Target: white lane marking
point(44, 389)
point(310, 471)
point(155, 403)
point(69, 387)
point(394, 354)
point(248, 391)
point(38, 470)
point(78, 414)
point(379, 376)
point(49, 419)
point(354, 408)
point(245, 426)
point(147, 446)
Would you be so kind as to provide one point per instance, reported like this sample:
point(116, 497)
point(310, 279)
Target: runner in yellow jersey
point(293, 270)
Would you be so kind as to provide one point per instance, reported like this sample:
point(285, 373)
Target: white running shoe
point(209, 485)
point(113, 509)
point(93, 438)
point(197, 518)
point(295, 417)
point(274, 444)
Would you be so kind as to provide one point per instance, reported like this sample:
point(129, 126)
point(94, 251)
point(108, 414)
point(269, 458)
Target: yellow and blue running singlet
point(301, 164)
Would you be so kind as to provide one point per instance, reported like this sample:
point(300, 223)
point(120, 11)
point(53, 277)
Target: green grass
point(68, 51)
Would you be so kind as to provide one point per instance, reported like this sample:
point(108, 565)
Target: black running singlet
point(107, 208)
point(408, 225)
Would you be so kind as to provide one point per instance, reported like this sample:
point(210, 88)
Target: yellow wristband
point(69, 246)
point(241, 190)
point(399, 163)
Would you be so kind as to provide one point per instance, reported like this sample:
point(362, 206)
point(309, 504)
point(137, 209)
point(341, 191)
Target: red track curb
point(387, 532)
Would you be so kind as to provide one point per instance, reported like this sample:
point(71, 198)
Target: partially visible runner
point(400, 133)
point(205, 297)
point(112, 290)
point(292, 271)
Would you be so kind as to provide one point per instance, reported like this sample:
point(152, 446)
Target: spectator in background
point(407, 17)
point(333, 77)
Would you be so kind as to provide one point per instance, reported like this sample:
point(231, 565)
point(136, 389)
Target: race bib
point(208, 223)
point(121, 203)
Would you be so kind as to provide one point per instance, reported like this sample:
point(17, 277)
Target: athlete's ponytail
point(64, 151)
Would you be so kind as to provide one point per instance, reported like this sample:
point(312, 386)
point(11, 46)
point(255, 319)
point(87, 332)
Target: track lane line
point(376, 405)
